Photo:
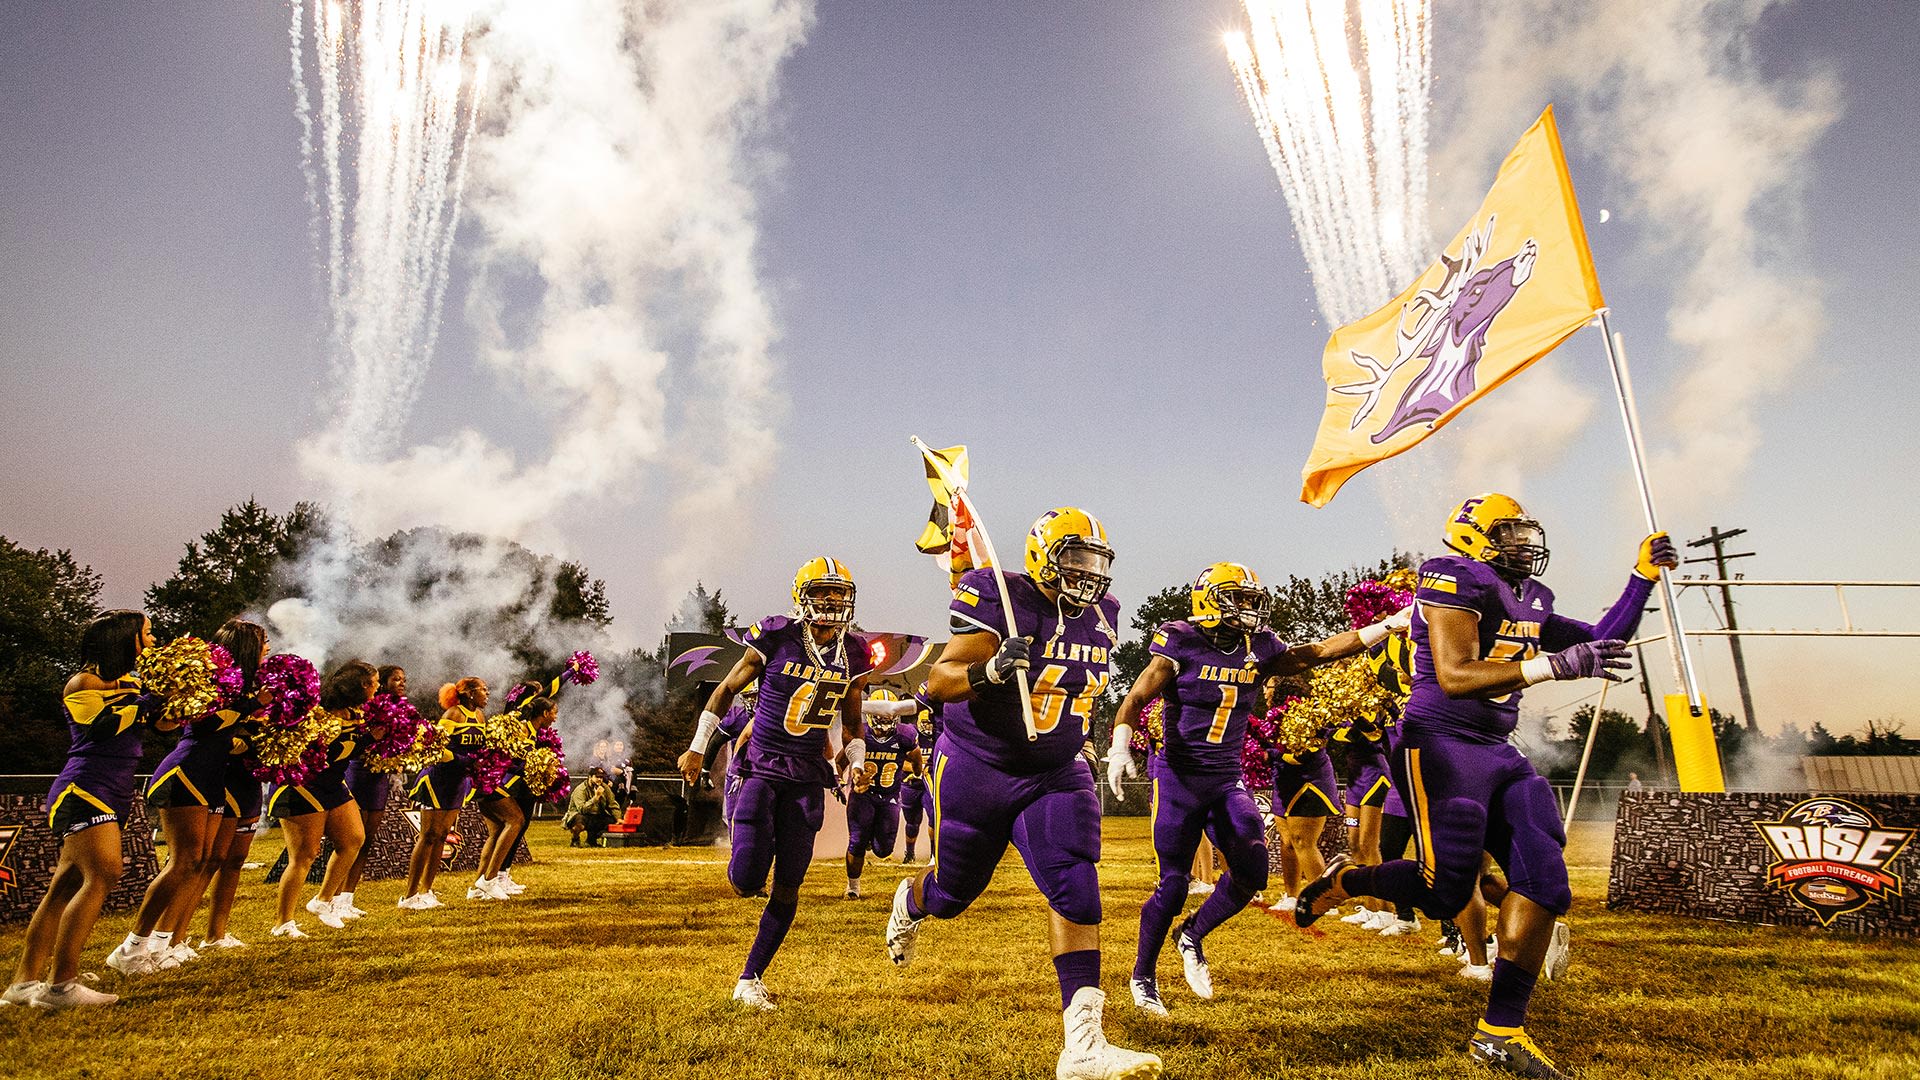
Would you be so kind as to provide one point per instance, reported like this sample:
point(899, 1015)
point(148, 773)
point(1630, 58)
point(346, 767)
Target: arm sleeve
point(1618, 624)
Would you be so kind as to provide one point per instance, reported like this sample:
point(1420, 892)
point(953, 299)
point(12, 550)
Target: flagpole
point(1630, 416)
point(1006, 597)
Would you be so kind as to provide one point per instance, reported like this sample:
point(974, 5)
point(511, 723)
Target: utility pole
point(1656, 732)
point(1717, 539)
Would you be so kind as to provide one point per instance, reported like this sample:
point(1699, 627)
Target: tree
point(240, 566)
point(1620, 746)
point(46, 600)
point(579, 597)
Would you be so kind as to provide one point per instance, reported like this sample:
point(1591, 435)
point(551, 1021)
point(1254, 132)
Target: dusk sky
point(1046, 230)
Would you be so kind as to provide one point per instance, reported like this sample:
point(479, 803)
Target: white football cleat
point(903, 930)
point(1193, 962)
point(22, 993)
point(853, 889)
point(1286, 904)
point(1359, 917)
point(752, 993)
point(289, 930)
point(1088, 1055)
point(1400, 927)
point(1477, 972)
point(1146, 996)
point(134, 961)
point(71, 994)
point(1558, 952)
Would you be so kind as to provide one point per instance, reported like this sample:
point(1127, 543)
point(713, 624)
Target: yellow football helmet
point(823, 592)
point(1067, 552)
point(1230, 595)
point(1496, 530)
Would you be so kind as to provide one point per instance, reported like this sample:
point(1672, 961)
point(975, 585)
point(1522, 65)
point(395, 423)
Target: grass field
point(620, 962)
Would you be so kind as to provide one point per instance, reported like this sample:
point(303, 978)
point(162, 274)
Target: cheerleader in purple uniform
point(89, 799)
point(322, 808)
point(371, 790)
point(244, 794)
point(440, 789)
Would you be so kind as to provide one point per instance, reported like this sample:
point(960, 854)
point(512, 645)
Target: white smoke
point(1711, 158)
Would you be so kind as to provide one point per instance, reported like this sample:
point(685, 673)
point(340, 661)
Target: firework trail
point(1343, 117)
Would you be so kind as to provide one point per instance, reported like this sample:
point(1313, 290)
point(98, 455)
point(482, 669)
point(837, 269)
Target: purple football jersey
point(801, 695)
point(889, 756)
point(1509, 631)
point(1071, 658)
point(1213, 692)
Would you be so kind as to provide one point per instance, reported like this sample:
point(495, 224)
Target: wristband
point(856, 751)
point(703, 734)
point(1373, 635)
point(1537, 670)
point(977, 678)
point(1122, 740)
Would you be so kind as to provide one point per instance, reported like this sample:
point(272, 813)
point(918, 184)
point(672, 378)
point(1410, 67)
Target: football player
point(812, 671)
point(873, 808)
point(1484, 629)
point(994, 784)
point(916, 799)
point(1209, 669)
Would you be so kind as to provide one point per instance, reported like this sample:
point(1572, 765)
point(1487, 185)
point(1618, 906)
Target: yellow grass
point(620, 962)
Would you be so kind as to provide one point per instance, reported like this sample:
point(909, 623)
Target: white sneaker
point(1193, 962)
point(853, 889)
point(22, 993)
point(475, 892)
point(1146, 996)
point(135, 961)
point(343, 906)
point(428, 900)
point(70, 994)
point(317, 906)
point(1400, 927)
point(753, 994)
point(408, 903)
point(331, 919)
point(181, 954)
point(1477, 972)
point(289, 930)
point(1286, 904)
point(504, 879)
point(903, 930)
point(1377, 921)
point(1198, 888)
point(1359, 917)
point(228, 941)
point(1088, 1055)
point(1557, 952)
point(486, 889)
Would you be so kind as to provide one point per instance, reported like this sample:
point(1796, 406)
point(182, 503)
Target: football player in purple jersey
point(997, 782)
point(873, 807)
point(916, 798)
point(1209, 669)
point(1483, 630)
point(812, 671)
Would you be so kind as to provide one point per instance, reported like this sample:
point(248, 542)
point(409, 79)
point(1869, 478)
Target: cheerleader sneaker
point(226, 941)
point(505, 880)
point(70, 995)
point(1379, 921)
point(1146, 996)
point(753, 994)
point(1399, 927)
point(1359, 918)
point(181, 954)
point(1286, 904)
point(408, 903)
point(1088, 1055)
point(317, 906)
point(133, 961)
point(343, 906)
point(429, 900)
point(22, 993)
point(289, 930)
point(1477, 972)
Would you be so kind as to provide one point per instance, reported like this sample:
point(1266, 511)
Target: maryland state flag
point(1516, 281)
point(950, 524)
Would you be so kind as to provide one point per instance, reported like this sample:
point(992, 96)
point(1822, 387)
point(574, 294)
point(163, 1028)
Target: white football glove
point(1120, 764)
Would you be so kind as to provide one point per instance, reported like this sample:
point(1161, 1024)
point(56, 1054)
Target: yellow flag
point(1516, 281)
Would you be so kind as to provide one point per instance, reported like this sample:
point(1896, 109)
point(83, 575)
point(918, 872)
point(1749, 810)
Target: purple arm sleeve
point(1618, 624)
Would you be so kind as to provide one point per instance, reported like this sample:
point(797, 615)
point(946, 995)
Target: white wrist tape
point(703, 734)
point(856, 753)
point(1537, 670)
point(1373, 635)
point(896, 709)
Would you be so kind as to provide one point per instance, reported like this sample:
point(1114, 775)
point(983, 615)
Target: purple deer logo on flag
point(1445, 329)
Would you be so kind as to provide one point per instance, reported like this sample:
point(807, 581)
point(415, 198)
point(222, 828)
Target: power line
point(1717, 539)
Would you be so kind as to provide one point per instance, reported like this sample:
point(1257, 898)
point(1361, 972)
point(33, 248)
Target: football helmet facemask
point(1496, 530)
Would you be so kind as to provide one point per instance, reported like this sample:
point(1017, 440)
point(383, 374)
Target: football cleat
point(1314, 896)
point(1557, 952)
point(22, 993)
point(1451, 941)
point(1146, 995)
point(1088, 1055)
point(853, 889)
point(1509, 1050)
point(71, 994)
point(1193, 960)
point(903, 930)
point(1067, 552)
point(289, 930)
point(753, 994)
point(1494, 529)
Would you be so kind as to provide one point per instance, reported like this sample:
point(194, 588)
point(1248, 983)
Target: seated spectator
point(591, 809)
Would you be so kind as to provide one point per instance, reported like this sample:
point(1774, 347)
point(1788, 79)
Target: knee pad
point(1074, 893)
point(1536, 861)
point(1249, 868)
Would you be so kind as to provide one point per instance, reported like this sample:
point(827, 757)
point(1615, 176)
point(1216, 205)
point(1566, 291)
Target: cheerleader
point(441, 789)
point(370, 792)
point(1367, 791)
point(1303, 799)
point(189, 789)
point(508, 807)
point(244, 794)
point(89, 799)
point(322, 808)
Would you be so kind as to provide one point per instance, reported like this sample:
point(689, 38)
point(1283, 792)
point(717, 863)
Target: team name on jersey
point(1219, 673)
point(809, 673)
point(1519, 630)
point(1074, 652)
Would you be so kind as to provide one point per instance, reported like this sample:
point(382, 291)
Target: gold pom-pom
point(542, 771)
point(1339, 694)
point(509, 734)
point(181, 671)
point(1402, 579)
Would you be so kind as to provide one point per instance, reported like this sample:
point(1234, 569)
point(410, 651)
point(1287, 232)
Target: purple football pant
point(915, 801)
point(1464, 798)
point(1051, 818)
point(873, 823)
point(1183, 809)
point(773, 827)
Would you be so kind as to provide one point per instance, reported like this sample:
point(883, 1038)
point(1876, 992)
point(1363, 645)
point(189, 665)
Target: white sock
point(134, 943)
point(161, 940)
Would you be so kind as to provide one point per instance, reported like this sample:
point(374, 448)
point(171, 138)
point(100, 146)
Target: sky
point(1047, 231)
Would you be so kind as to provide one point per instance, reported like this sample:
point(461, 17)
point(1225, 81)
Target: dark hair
point(244, 641)
point(347, 686)
point(386, 674)
point(110, 645)
point(536, 707)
